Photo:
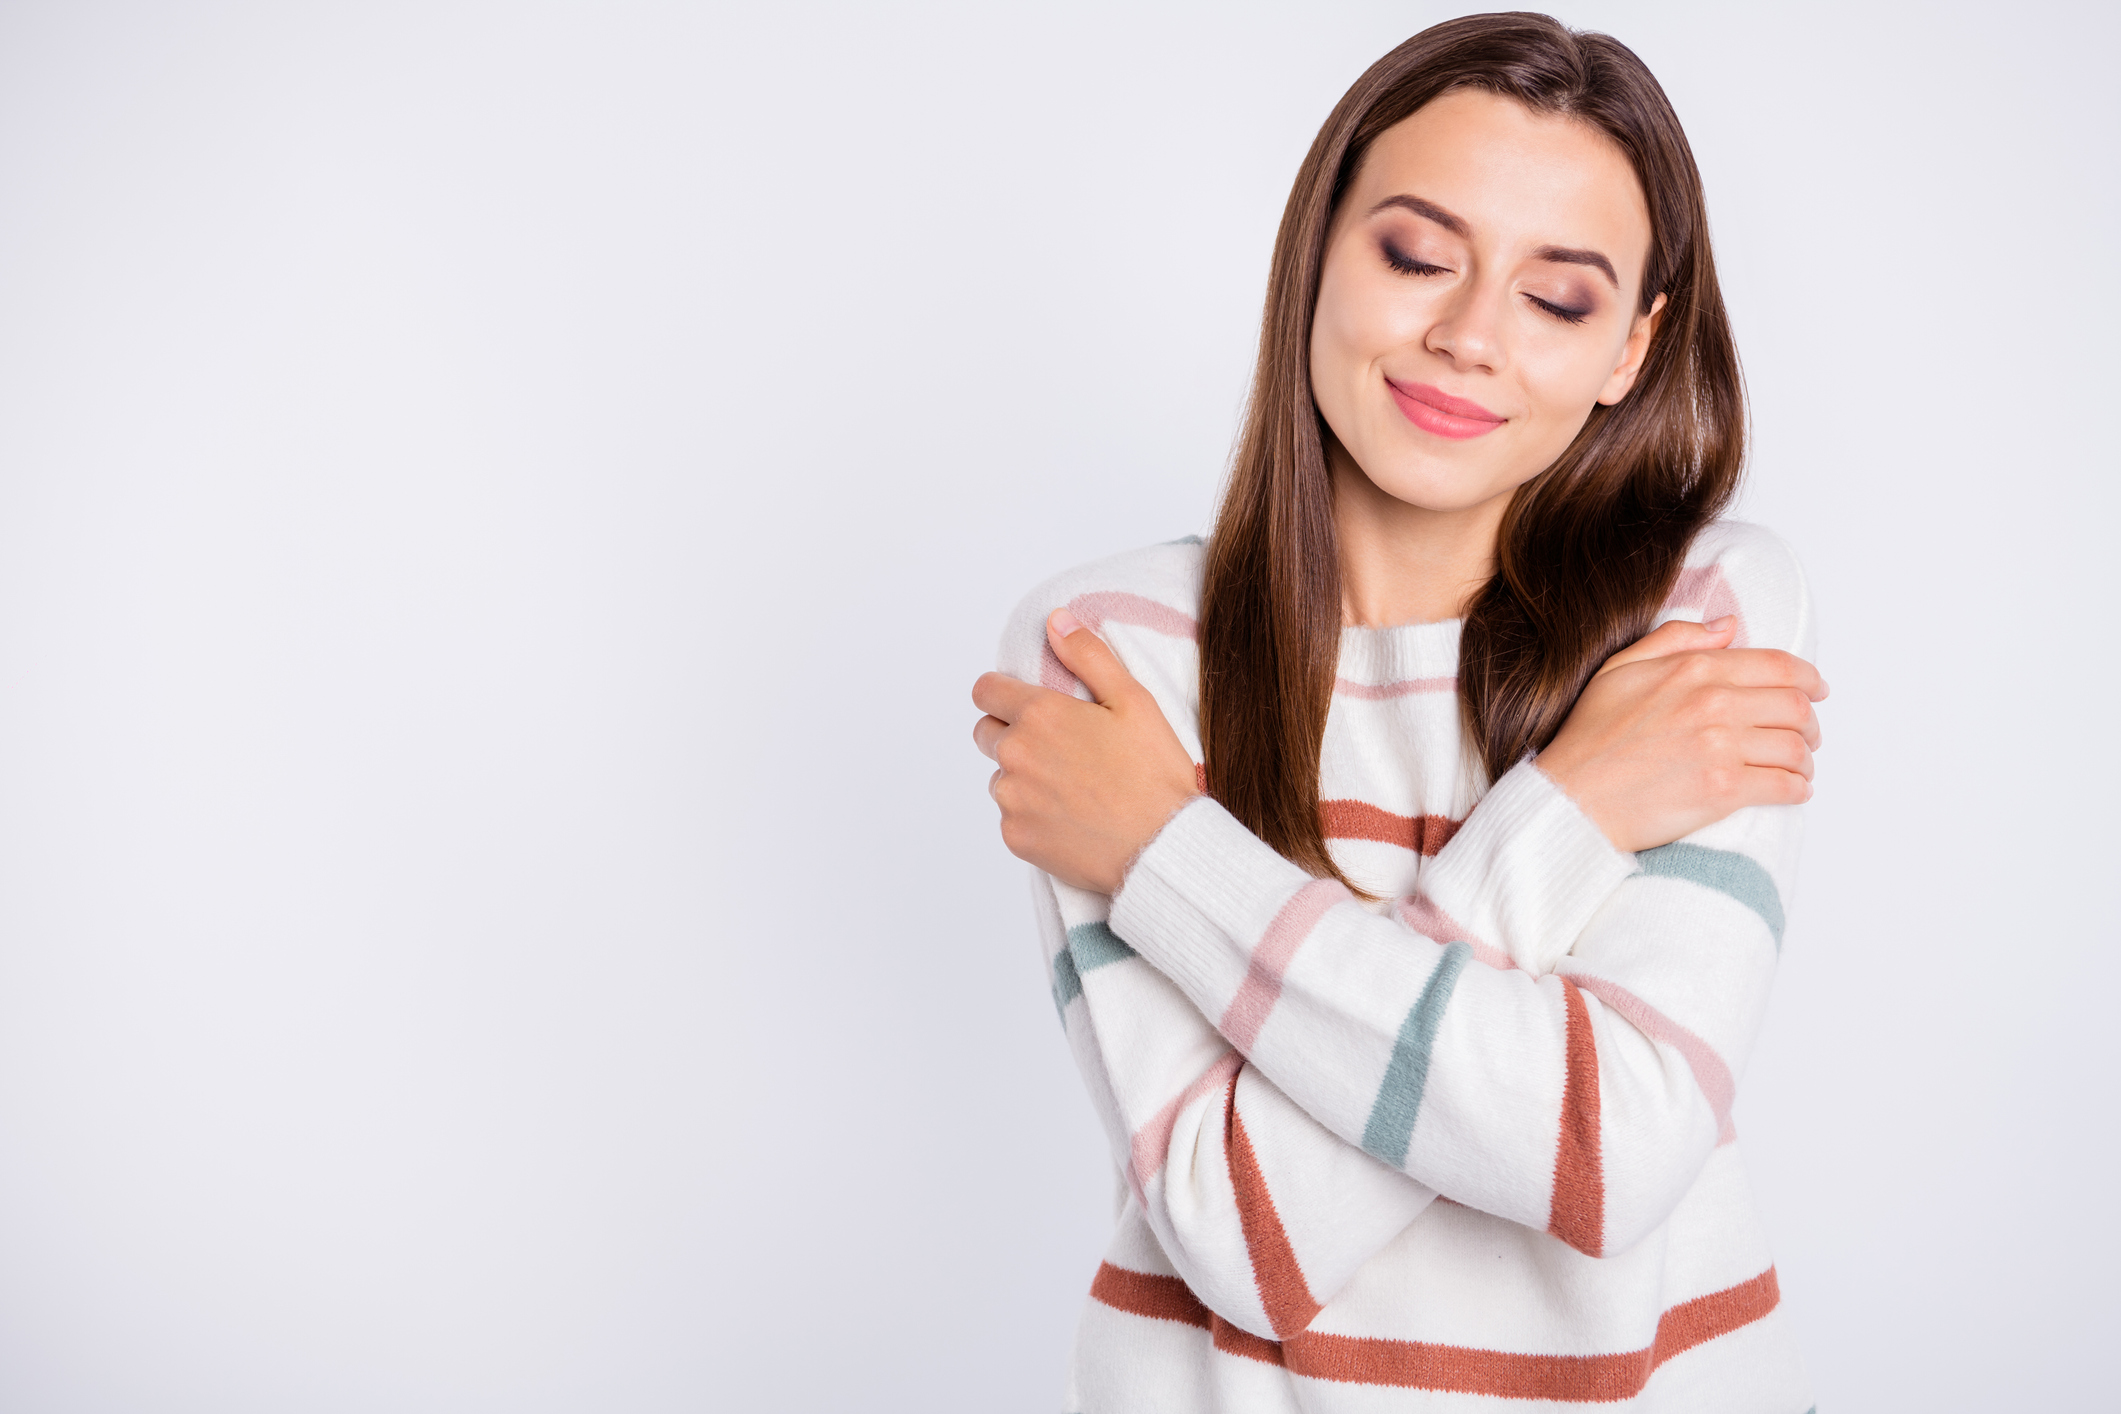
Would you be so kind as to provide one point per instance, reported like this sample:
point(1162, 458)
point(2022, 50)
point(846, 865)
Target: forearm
point(1522, 876)
point(1264, 1211)
point(1469, 1078)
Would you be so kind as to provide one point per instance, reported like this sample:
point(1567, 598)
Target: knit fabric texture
point(1468, 1148)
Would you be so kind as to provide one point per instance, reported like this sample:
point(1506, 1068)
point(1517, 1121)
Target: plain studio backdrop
point(501, 507)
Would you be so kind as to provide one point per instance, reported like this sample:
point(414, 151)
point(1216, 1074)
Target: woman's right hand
point(1677, 731)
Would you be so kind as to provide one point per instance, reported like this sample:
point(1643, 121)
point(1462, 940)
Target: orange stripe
point(1413, 1364)
point(1236, 1340)
point(1577, 1216)
point(1147, 1294)
point(1719, 1313)
point(1282, 1288)
point(1359, 820)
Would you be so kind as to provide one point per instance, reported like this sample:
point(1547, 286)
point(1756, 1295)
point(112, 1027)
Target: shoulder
point(1736, 567)
point(1144, 602)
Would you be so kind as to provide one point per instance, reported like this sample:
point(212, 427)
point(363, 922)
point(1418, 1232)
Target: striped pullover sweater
point(1466, 1148)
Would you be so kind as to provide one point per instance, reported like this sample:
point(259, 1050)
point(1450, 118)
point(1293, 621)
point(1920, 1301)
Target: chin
point(1433, 488)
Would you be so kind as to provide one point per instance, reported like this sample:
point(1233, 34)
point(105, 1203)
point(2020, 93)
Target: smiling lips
point(1434, 410)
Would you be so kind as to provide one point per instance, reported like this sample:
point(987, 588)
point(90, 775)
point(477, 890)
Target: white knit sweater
point(1467, 1149)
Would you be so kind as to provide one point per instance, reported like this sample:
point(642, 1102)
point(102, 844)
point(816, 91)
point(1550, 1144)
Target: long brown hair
point(1588, 548)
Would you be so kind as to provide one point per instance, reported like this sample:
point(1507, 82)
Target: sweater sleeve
point(1569, 1061)
point(1262, 1210)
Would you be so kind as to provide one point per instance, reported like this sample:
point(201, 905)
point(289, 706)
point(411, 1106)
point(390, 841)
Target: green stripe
point(1724, 871)
point(1391, 1126)
point(1094, 945)
point(1067, 983)
point(1090, 945)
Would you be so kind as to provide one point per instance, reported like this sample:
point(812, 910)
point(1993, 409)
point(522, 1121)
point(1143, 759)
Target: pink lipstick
point(1434, 410)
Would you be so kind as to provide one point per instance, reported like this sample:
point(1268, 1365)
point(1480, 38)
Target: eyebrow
point(1561, 255)
point(1456, 225)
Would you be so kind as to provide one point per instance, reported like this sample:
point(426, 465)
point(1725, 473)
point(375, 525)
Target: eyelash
point(1407, 265)
point(1566, 316)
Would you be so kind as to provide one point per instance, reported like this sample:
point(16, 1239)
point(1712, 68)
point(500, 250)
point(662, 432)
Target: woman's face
point(1479, 296)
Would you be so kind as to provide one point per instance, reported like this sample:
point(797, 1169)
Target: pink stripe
point(1152, 1142)
point(1262, 985)
point(1425, 918)
point(1710, 1073)
point(1705, 587)
point(1093, 611)
point(1052, 674)
point(1419, 912)
point(1493, 957)
point(1115, 606)
point(1379, 691)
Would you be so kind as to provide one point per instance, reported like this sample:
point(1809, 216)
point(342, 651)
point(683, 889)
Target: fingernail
point(1062, 623)
point(1824, 690)
point(1719, 625)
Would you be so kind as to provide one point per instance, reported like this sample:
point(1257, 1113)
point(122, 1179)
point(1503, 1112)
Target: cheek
point(1336, 334)
point(1564, 376)
point(1357, 322)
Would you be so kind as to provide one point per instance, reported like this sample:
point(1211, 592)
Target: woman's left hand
point(1083, 786)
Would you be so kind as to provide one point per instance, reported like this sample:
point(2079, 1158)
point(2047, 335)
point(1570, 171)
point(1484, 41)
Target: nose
point(1468, 329)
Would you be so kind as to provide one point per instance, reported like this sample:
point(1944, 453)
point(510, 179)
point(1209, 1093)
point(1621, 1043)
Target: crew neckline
point(1376, 657)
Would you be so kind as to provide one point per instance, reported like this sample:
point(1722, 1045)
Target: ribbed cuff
point(1199, 896)
point(1530, 867)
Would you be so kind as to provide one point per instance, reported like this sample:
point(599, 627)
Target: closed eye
point(1561, 312)
point(1407, 265)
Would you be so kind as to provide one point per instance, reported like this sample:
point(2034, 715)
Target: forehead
point(1519, 179)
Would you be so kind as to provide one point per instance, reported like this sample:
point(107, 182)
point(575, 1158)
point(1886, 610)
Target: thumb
point(1084, 654)
point(1678, 636)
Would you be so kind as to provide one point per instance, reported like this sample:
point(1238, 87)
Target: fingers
point(1784, 707)
point(987, 735)
point(1085, 655)
point(1770, 785)
point(1000, 695)
point(1783, 750)
point(1678, 636)
point(1771, 667)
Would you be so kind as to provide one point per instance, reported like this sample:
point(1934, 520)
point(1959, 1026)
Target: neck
point(1402, 563)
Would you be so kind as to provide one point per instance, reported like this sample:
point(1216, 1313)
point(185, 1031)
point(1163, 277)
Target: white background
point(500, 510)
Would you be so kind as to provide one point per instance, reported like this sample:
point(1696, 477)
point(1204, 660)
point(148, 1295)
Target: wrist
point(1572, 778)
point(1159, 818)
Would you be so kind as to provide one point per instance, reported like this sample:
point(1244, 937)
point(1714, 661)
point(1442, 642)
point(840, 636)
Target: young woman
point(1411, 898)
